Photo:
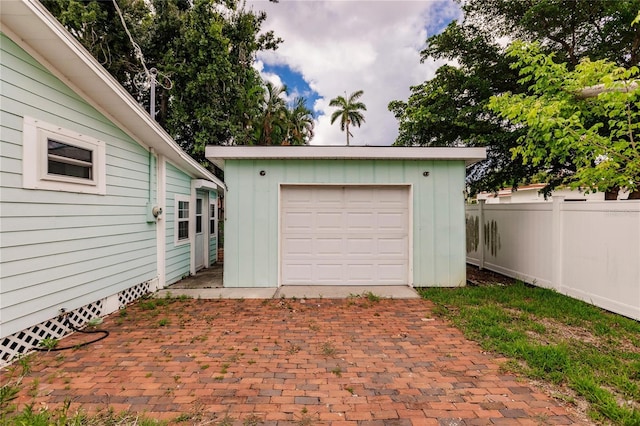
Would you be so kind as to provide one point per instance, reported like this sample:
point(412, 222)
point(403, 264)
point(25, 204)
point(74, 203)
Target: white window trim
point(213, 201)
point(184, 198)
point(35, 134)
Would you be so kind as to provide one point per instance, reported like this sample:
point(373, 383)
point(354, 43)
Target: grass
point(63, 416)
point(578, 348)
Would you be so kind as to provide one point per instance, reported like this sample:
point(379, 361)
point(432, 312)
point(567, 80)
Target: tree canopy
point(588, 117)
point(280, 124)
point(203, 50)
point(452, 108)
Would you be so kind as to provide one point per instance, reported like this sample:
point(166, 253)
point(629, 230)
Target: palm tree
point(349, 111)
point(300, 123)
point(272, 122)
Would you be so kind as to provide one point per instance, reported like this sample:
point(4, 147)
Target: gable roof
point(32, 27)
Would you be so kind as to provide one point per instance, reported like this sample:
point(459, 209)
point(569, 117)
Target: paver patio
point(288, 361)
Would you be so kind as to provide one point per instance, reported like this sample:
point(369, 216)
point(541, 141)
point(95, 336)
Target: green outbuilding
point(344, 215)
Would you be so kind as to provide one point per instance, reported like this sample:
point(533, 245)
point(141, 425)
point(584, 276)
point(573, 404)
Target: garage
point(365, 216)
point(344, 235)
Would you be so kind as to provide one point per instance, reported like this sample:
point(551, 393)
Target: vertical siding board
point(231, 225)
point(84, 233)
point(264, 190)
point(276, 176)
point(457, 235)
point(442, 224)
point(246, 223)
point(437, 222)
point(423, 225)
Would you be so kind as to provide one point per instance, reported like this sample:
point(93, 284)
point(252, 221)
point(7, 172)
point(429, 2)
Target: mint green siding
point(213, 240)
point(62, 249)
point(251, 211)
point(177, 258)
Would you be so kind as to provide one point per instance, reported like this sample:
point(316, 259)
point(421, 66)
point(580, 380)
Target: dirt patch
point(476, 276)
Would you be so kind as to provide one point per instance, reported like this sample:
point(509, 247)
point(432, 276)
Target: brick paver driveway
point(282, 361)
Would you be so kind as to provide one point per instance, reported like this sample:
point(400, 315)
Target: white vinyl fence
point(587, 250)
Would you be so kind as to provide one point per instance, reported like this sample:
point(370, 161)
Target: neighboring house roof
point(218, 154)
point(33, 28)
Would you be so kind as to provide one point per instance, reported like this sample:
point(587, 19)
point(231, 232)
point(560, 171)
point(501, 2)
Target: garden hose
point(104, 333)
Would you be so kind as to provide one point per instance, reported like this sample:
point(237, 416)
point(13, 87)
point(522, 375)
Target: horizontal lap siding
point(61, 249)
point(177, 257)
point(251, 225)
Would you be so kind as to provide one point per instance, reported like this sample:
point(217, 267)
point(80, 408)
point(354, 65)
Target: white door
point(200, 235)
point(344, 235)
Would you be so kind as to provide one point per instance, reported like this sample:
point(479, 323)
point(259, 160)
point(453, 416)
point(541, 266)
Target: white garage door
point(344, 235)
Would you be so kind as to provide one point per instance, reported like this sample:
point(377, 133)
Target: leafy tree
point(588, 117)
point(280, 124)
point(208, 91)
point(349, 111)
point(98, 27)
point(451, 109)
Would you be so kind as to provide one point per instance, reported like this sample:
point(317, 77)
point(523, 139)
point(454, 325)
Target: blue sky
point(339, 46)
point(295, 83)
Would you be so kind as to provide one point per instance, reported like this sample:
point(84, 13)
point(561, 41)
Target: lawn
point(584, 354)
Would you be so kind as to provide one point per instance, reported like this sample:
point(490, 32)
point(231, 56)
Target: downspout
point(161, 231)
point(192, 228)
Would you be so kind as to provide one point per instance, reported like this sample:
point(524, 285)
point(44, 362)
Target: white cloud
point(276, 80)
point(344, 46)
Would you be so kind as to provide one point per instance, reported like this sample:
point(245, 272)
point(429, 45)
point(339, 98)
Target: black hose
point(104, 333)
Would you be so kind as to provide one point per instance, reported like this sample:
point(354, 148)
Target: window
point(199, 216)
point(69, 160)
point(212, 218)
point(182, 219)
point(59, 159)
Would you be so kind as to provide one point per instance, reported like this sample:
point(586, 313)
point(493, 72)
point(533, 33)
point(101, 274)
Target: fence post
point(556, 242)
point(481, 234)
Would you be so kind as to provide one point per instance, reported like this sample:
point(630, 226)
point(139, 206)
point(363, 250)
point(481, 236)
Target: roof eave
point(218, 154)
point(30, 25)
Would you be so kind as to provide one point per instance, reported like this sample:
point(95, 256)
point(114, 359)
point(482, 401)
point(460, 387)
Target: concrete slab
point(291, 292)
point(219, 293)
point(342, 292)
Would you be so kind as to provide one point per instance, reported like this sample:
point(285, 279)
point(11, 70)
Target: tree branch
point(593, 91)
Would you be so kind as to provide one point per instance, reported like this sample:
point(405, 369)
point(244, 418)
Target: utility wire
point(149, 76)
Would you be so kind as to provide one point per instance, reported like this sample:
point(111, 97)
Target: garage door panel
point(297, 197)
point(361, 273)
point(391, 197)
point(328, 197)
point(328, 221)
point(392, 247)
point(329, 272)
point(391, 272)
point(361, 247)
point(360, 220)
point(296, 221)
point(364, 198)
point(393, 221)
point(298, 247)
point(299, 272)
point(345, 235)
point(329, 246)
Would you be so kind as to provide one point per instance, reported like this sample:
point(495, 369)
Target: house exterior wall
point(177, 259)
point(64, 249)
point(251, 213)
